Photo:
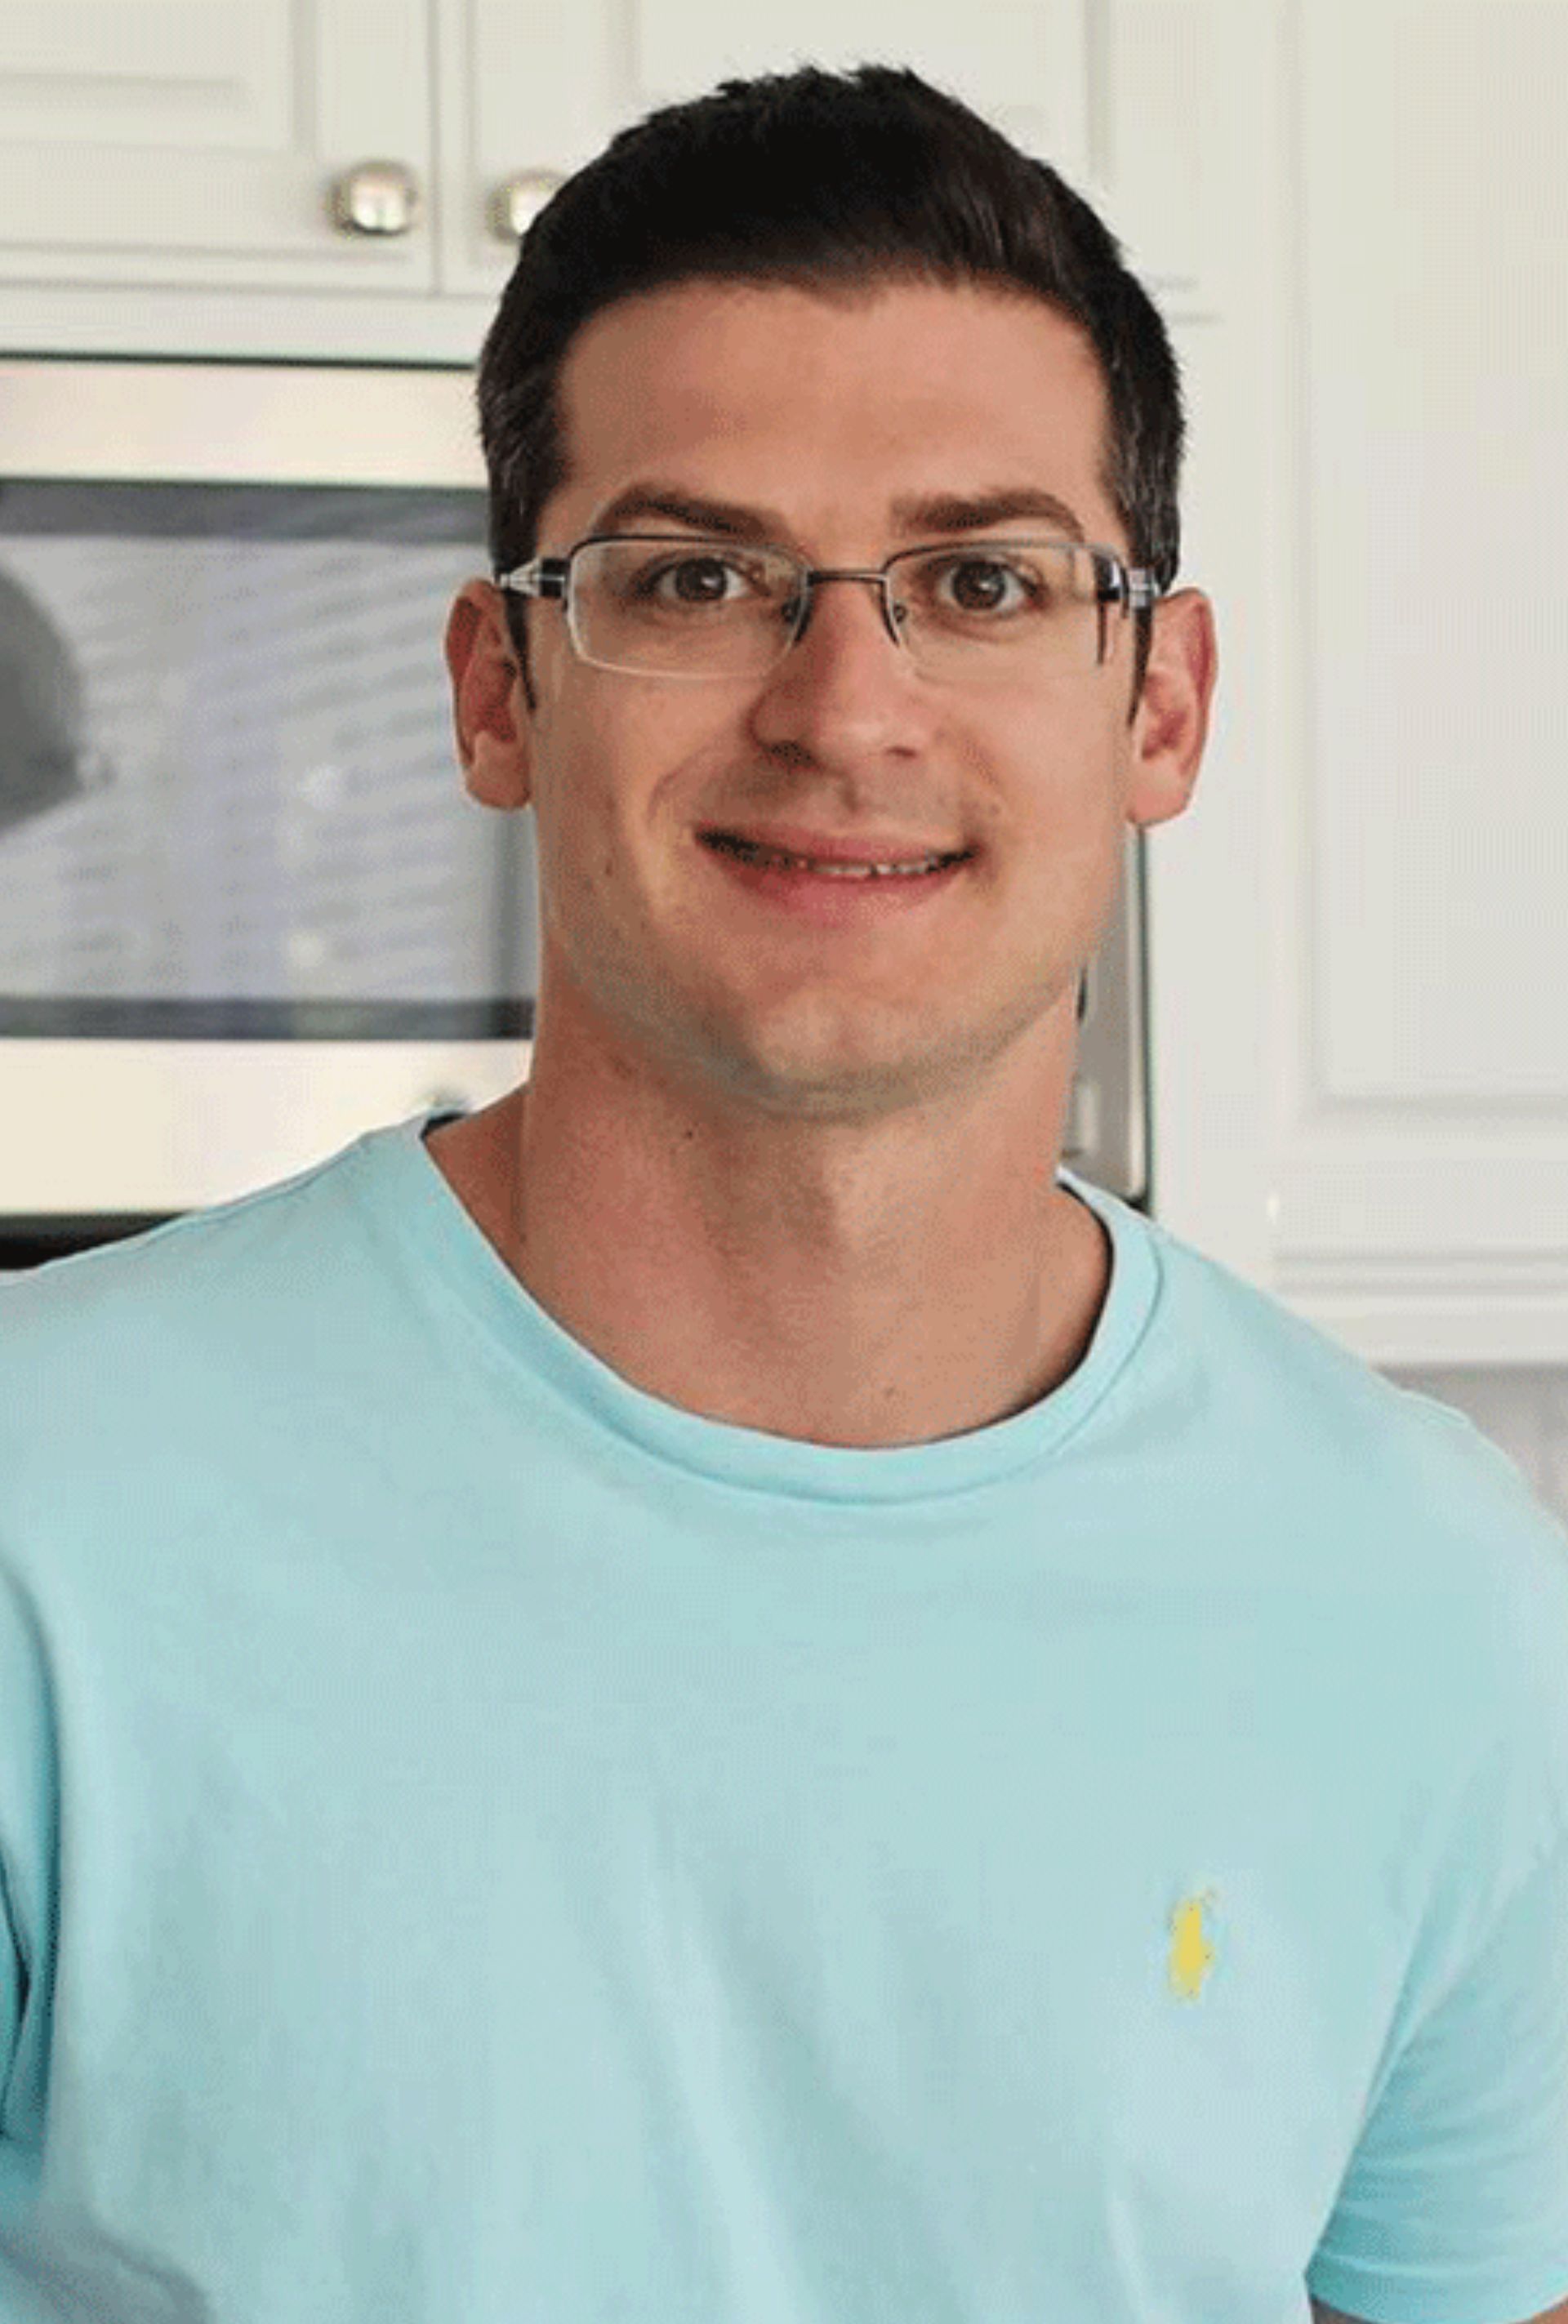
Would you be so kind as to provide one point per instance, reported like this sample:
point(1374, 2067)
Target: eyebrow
point(940, 513)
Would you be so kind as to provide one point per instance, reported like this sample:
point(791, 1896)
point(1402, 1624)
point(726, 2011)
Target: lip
point(826, 900)
point(828, 846)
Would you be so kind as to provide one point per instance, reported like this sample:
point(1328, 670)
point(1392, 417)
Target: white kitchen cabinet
point(166, 183)
point(197, 143)
point(1360, 928)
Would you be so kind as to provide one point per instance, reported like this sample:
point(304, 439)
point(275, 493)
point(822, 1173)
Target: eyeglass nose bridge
point(812, 574)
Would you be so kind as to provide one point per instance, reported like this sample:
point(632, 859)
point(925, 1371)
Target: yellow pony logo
point(1191, 1954)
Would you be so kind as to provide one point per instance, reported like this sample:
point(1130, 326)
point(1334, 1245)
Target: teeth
point(755, 854)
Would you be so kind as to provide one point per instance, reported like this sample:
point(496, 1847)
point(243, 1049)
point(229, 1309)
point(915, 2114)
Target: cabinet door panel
point(195, 140)
point(526, 85)
point(1363, 913)
point(182, 72)
point(1437, 369)
point(1428, 1110)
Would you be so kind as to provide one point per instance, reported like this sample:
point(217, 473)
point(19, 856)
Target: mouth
point(841, 864)
point(841, 891)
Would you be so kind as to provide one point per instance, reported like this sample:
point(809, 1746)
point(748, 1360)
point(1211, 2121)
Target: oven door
point(246, 906)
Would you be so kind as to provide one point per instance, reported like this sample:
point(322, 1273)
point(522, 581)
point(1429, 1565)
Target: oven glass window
point(230, 806)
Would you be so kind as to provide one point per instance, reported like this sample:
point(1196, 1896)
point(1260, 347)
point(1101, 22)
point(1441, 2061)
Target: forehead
point(798, 400)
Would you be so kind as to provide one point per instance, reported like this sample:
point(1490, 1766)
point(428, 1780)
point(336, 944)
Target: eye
point(698, 580)
point(983, 584)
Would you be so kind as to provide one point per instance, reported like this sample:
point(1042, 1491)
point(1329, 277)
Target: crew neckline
point(425, 1210)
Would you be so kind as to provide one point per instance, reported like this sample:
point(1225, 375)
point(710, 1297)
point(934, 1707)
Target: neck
point(861, 1284)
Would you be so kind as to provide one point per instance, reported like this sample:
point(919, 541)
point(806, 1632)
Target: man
point(718, 1693)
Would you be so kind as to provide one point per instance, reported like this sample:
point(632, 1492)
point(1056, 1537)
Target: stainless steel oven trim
point(239, 423)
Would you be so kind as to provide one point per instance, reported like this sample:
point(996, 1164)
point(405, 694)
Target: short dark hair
point(829, 182)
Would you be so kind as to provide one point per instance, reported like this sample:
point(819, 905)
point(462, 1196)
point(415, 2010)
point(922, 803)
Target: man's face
point(820, 415)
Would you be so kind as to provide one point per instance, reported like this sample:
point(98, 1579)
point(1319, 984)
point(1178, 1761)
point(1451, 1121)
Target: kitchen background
point(1354, 215)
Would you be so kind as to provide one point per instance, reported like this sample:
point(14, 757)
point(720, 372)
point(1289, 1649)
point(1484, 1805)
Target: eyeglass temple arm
point(542, 577)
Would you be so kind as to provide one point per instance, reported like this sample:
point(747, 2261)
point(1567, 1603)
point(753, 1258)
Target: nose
point(846, 688)
point(873, 581)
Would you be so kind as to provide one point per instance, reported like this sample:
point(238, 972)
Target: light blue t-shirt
point(483, 1845)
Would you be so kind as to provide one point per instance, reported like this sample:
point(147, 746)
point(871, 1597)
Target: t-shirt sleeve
point(1454, 2207)
point(13, 1980)
point(27, 1808)
point(13, 1987)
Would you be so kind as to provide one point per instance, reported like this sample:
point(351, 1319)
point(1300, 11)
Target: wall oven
point(247, 908)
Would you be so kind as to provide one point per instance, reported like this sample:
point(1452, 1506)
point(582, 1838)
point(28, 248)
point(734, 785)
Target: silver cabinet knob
point(375, 197)
point(517, 201)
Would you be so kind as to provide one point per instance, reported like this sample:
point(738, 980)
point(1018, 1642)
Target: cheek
point(1054, 820)
point(597, 776)
point(633, 765)
point(1033, 783)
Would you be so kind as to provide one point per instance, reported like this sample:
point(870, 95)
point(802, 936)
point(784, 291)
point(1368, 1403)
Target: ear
point(1171, 723)
point(489, 720)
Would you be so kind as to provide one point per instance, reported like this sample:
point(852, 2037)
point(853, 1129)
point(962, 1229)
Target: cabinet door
point(1427, 1155)
point(1360, 1036)
point(532, 90)
point(197, 142)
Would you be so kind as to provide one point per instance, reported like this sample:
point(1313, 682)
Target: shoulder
point(1350, 1474)
point(125, 1329)
point(1289, 1375)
